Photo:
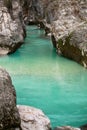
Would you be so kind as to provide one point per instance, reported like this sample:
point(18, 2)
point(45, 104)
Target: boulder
point(33, 119)
point(9, 116)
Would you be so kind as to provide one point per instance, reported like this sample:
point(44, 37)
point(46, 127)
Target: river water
point(47, 81)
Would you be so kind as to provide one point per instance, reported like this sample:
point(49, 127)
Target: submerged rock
point(33, 119)
point(12, 30)
point(66, 128)
point(9, 116)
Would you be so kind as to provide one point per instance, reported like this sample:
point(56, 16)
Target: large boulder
point(12, 30)
point(9, 116)
point(33, 119)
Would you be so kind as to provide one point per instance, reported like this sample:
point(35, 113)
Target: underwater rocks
point(33, 119)
point(12, 30)
point(9, 116)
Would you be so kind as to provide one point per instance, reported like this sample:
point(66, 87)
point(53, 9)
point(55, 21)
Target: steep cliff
point(12, 30)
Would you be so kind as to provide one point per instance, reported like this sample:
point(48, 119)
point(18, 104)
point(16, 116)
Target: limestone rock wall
point(12, 30)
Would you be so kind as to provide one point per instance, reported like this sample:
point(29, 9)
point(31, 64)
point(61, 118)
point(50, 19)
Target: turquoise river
point(47, 81)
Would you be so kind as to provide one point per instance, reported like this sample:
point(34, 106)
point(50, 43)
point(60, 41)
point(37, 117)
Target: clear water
point(47, 81)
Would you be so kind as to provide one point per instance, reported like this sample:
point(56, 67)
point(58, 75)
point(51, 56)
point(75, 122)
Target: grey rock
point(9, 116)
point(33, 119)
point(11, 26)
point(70, 30)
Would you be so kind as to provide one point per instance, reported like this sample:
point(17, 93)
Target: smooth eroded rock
point(33, 119)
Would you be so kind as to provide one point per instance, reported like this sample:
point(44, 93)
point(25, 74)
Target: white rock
point(33, 119)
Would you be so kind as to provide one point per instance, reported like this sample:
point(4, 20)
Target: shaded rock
point(66, 128)
point(12, 30)
point(9, 116)
point(83, 127)
point(33, 119)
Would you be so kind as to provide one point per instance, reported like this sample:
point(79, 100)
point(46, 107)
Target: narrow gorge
point(41, 33)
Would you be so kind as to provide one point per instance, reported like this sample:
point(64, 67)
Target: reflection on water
point(47, 81)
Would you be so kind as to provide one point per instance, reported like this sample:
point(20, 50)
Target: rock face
point(11, 26)
point(33, 119)
point(67, 22)
point(70, 30)
point(66, 128)
point(9, 116)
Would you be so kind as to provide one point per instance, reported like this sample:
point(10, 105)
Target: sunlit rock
point(33, 119)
